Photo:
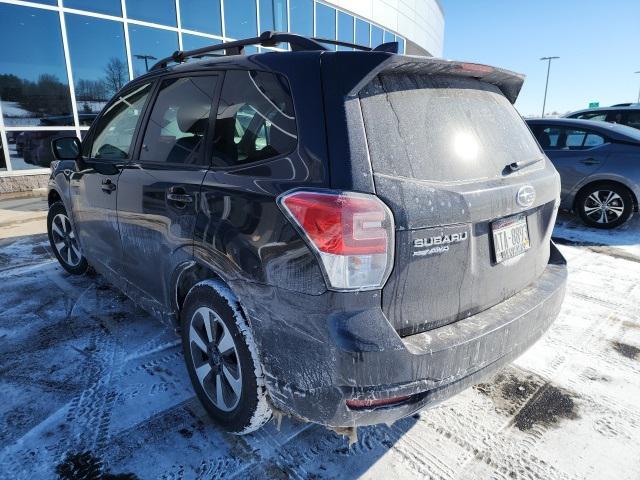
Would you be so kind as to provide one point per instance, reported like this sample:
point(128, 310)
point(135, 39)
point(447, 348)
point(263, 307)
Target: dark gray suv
point(344, 236)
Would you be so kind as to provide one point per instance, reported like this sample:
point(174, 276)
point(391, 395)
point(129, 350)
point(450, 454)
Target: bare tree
point(116, 75)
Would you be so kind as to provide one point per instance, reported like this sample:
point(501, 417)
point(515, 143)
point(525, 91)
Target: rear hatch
point(439, 147)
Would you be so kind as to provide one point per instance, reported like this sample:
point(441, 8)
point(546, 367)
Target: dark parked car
point(35, 147)
point(599, 166)
point(347, 237)
point(623, 114)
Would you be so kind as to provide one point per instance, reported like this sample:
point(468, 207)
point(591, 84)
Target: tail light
point(351, 233)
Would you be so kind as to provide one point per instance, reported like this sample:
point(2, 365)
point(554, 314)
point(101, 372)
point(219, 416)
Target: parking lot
point(93, 387)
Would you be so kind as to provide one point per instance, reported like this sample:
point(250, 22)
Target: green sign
point(594, 104)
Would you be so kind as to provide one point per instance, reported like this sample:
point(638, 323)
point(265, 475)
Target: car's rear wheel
point(221, 359)
point(604, 205)
point(64, 241)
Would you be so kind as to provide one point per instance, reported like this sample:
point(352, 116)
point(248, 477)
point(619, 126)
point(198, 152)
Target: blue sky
point(598, 42)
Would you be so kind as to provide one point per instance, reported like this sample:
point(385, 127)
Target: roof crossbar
point(268, 39)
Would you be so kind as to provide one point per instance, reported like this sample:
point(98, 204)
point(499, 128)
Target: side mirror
point(66, 148)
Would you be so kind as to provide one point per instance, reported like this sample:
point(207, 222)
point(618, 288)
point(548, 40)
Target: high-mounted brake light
point(475, 68)
point(351, 233)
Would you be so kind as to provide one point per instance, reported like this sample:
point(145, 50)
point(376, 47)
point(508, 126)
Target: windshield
point(442, 128)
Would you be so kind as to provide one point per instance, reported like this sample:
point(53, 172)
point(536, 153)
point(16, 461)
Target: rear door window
point(574, 139)
point(255, 119)
point(593, 140)
point(548, 137)
point(179, 119)
point(595, 116)
point(442, 128)
point(617, 116)
point(633, 119)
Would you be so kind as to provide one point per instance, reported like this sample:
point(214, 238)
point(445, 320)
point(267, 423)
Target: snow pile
point(92, 384)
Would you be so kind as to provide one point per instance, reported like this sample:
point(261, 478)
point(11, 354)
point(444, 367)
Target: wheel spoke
point(595, 214)
point(234, 383)
point(202, 371)
point(589, 210)
point(220, 401)
point(194, 336)
point(225, 343)
point(69, 259)
point(59, 246)
point(56, 229)
point(65, 223)
point(76, 250)
point(601, 219)
point(617, 210)
point(594, 198)
point(608, 199)
point(208, 327)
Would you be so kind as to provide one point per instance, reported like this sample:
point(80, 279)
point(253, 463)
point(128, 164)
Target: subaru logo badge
point(526, 196)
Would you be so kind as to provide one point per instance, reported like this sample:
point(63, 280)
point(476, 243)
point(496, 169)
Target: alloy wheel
point(604, 206)
point(65, 241)
point(215, 359)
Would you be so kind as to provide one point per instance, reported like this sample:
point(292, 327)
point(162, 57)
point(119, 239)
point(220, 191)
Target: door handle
point(590, 161)
point(179, 195)
point(108, 186)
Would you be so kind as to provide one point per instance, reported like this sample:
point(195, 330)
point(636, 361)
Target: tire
point(223, 354)
point(64, 241)
point(604, 205)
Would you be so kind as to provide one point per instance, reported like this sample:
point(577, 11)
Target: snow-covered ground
point(92, 387)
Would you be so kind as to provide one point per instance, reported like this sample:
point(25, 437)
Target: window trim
point(208, 150)
point(255, 163)
point(152, 82)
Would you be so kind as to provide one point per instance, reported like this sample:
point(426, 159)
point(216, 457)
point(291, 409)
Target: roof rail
point(340, 43)
point(267, 39)
point(391, 47)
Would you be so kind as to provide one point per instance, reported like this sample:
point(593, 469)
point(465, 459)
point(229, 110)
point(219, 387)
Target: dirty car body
point(428, 141)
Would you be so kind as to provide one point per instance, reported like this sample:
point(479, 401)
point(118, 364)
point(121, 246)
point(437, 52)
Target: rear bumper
point(361, 358)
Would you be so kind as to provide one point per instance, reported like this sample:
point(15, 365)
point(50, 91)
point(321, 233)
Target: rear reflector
point(356, 404)
point(351, 233)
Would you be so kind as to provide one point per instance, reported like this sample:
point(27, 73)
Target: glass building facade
point(63, 59)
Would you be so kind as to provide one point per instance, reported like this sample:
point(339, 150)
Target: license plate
point(510, 237)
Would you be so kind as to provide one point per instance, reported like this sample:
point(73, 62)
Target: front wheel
point(64, 241)
point(221, 359)
point(604, 205)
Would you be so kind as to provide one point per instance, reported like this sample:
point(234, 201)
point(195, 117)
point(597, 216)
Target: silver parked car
point(624, 114)
point(599, 166)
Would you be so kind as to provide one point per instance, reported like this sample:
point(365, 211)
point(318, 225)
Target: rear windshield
point(442, 128)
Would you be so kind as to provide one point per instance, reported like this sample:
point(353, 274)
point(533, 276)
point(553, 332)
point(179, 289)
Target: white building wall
point(419, 21)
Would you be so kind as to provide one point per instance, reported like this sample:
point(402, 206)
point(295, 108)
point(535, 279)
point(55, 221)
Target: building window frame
point(126, 21)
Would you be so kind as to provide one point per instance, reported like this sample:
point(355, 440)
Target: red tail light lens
point(352, 233)
point(340, 224)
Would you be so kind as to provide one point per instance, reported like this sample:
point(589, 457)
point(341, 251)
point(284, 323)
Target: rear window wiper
point(515, 166)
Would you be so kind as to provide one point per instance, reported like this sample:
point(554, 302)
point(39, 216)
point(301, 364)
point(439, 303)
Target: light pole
point(544, 102)
point(146, 59)
point(638, 88)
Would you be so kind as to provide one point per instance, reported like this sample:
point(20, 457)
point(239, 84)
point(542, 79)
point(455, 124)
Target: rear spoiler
point(509, 83)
